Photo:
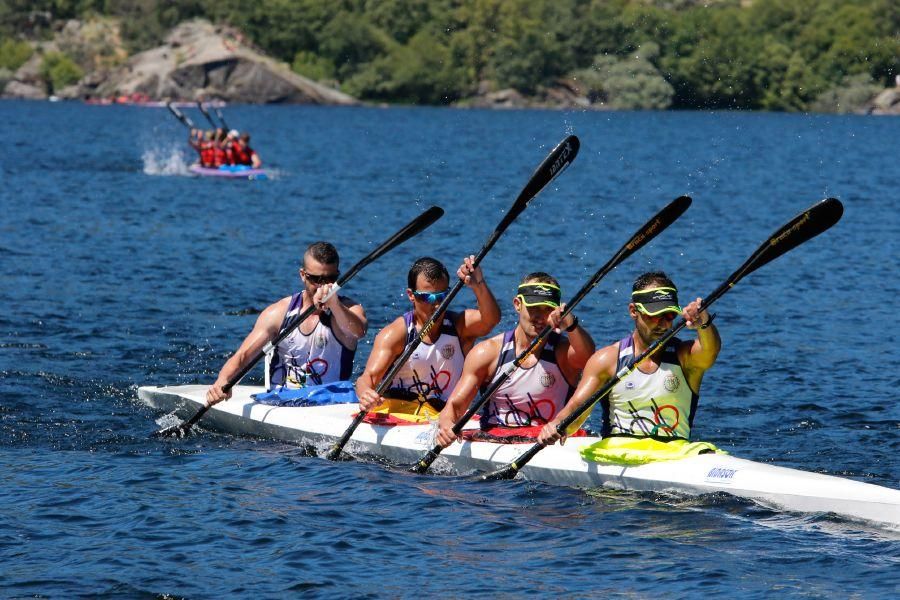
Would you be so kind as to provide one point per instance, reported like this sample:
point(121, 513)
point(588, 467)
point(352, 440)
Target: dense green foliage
point(13, 54)
point(765, 54)
point(60, 70)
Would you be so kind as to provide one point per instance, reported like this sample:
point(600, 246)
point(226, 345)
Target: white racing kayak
point(772, 486)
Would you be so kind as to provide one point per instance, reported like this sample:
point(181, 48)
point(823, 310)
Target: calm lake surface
point(119, 270)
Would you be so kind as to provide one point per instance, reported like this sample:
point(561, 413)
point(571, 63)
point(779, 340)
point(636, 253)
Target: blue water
point(119, 269)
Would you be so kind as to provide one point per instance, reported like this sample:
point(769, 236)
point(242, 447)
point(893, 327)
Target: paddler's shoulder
point(489, 347)
point(604, 359)
point(349, 301)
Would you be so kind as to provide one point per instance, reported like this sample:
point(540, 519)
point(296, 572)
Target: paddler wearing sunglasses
point(541, 386)
point(321, 349)
point(650, 410)
point(422, 385)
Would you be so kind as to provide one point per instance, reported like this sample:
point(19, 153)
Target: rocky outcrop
point(562, 94)
point(200, 61)
point(27, 82)
point(886, 103)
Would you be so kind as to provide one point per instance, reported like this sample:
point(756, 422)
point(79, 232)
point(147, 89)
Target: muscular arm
point(698, 356)
point(265, 330)
point(599, 369)
point(348, 320)
point(479, 367)
point(389, 344)
point(573, 353)
point(479, 322)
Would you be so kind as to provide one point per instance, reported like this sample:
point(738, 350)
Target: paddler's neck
point(421, 318)
point(523, 340)
point(640, 347)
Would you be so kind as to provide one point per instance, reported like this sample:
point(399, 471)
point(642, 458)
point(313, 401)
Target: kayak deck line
point(772, 486)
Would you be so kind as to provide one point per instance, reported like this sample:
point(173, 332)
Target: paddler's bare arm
point(479, 368)
point(598, 370)
point(700, 355)
point(581, 344)
point(389, 344)
point(348, 320)
point(265, 330)
point(478, 322)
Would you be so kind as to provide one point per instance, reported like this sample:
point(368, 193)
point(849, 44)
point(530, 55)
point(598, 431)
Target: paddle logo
point(561, 163)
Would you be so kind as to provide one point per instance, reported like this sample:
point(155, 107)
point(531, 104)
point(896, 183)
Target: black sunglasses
point(320, 279)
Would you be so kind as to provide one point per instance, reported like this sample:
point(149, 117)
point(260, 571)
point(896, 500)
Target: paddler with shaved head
point(541, 386)
point(431, 373)
point(649, 412)
point(321, 349)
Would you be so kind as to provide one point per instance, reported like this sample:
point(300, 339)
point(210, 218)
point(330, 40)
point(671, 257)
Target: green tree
point(13, 54)
point(60, 70)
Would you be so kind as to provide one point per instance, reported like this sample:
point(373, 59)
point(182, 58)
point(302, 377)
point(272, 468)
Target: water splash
point(165, 161)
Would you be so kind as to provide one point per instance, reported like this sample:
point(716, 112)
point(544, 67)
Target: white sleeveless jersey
point(530, 396)
point(301, 359)
point(660, 404)
point(432, 370)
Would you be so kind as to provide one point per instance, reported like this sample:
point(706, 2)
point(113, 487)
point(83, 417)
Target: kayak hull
point(230, 172)
point(770, 485)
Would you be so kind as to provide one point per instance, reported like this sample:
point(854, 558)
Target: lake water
point(119, 270)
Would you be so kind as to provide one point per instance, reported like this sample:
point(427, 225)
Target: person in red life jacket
point(207, 151)
point(243, 154)
point(230, 142)
point(537, 390)
point(219, 156)
point(195, 141)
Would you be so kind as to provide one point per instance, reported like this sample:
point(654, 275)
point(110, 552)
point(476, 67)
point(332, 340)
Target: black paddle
point(207, 115)
point(221, 117)
point(650, 230)
point(413, 228)
point(181, 116)
point(555, 163)
point(801, 228)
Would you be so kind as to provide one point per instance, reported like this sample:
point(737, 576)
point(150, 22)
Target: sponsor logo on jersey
point(671, 382)
point(547, 380)
point(447, 351)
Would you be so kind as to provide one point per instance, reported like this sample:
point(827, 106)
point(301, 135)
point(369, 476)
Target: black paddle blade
point(182, 429)
point(663, 219)
point(411, 229)
point(178, 431)
point(555, 163)
point(805, 226)
point(221, 118)
point(425, 462)
point(508, 472)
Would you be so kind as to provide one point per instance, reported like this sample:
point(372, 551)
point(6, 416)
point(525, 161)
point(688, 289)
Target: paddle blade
point(802, 228)
point(412, 229)
point(508, 472)
point(555, 163)
point(179, 115)
point(655, 226)
point(221, 118)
